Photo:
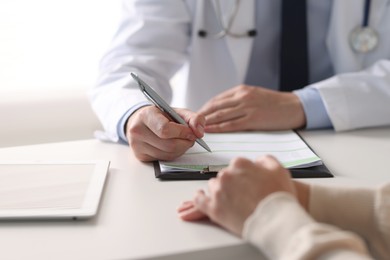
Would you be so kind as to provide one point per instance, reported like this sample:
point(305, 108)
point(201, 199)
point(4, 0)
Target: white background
point(48, 45)
point(49, 56)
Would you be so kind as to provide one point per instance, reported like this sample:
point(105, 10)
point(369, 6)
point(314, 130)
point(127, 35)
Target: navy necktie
point(293, 72)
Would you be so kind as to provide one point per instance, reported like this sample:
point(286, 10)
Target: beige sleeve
point(360, 210)
point(281, 229)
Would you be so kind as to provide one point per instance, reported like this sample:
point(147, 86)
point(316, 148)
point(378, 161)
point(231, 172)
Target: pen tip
point(206, 147)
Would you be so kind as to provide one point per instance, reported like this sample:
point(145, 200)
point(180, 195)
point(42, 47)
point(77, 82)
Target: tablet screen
point(39, 188)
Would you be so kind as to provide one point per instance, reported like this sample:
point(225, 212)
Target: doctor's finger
point(147, 146)
point(147, 119)
point(169, 149)
point(164, 128)
point(161, 150)
point(196, 121)
point(234, 92)
point(234, 125)
point(215, 105)
point(228, 93)
point(154, 128)
point(224, 115)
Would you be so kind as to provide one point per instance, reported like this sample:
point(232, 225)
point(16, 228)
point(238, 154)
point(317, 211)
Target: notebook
point(287, 146)
point(51, 189)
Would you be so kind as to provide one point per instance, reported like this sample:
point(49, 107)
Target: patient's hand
point(236, 191)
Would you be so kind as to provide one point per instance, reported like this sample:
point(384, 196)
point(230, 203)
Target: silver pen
point(163, 106)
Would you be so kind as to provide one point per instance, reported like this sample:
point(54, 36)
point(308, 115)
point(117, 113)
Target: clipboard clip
point(212, 169)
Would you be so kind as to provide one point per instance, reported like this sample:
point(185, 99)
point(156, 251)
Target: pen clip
point(212, 169)
point(151, 100)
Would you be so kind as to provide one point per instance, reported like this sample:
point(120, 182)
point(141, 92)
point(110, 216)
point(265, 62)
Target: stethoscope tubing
point(226, 30)
point(363, 38)
point(366, 13)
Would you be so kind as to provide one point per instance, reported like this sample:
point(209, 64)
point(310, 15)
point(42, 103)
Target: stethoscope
point(226, 29)
point(362, 39)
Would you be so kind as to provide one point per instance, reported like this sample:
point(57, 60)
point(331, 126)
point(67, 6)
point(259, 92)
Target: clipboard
point(316, 171)
point(319, 171)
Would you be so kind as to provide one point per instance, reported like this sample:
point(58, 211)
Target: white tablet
point(51, 189)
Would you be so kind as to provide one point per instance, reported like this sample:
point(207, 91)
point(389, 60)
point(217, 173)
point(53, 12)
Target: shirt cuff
point(121, 124)
point(315, 111)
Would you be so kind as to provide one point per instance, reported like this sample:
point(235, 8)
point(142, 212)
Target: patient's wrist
point(303, 194)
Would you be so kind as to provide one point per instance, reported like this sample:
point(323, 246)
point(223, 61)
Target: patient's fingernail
point(200, 128)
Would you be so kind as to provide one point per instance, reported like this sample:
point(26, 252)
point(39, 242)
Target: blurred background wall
point(49, 54)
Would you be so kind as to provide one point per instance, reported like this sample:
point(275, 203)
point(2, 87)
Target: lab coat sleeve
point(152, 41)
point(359, 99)
point(360, 210)
point(282, 229)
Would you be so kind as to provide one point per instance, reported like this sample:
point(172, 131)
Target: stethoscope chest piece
point(363, 39)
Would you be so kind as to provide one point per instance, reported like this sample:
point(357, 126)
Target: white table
point(137, 217)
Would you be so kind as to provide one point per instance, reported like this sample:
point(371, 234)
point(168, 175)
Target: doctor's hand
point(237, 190)
point(153, 136)
point(253, 108)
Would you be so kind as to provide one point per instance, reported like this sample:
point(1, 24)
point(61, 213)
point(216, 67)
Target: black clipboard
point(318, 171)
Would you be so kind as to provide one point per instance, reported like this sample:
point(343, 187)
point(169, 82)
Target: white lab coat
point(156, 38)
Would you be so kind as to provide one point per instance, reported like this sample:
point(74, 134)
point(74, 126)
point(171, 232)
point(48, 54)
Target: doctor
point(345, 68)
